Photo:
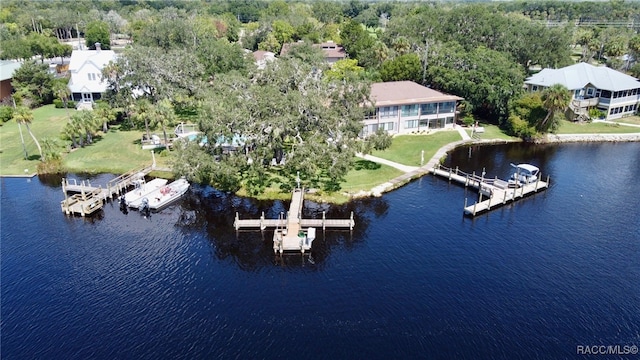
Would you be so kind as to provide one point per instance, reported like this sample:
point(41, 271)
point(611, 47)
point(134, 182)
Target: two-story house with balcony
point(86, 84)
point(611, 91)
point(404, 107)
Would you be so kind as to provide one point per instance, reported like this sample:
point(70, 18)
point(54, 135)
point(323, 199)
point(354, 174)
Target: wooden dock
point(88, 199)
point(293, 232)
point(85, 203)
point(494, 191)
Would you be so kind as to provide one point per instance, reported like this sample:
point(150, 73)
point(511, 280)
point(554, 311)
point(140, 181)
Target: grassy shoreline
point(119, 151)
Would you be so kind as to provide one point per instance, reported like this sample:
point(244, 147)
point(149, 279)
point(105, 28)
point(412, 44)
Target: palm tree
point(165, 115)
point(24, 116)
point(105, 114)
point(69, 131)
point(554, 99)
point(89, 123)
point(63, 93)
point(24, 147)
point(142, 111)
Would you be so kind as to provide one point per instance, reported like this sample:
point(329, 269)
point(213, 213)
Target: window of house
point(590, 92)
point(428, 109)
point(410, 124)
point(410, 110)
point(605, 94)
point(387, 126)
point(388, 111)
point(534, 88)
point(447, 107)
point(598, 92)
point(371, 115)
point(449, 120)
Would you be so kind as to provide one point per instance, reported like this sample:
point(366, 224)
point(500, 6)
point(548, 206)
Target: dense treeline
point(192, 60)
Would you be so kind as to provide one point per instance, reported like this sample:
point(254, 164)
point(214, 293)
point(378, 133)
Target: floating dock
point(493, 192)
point(88, 199)
point(293, 233)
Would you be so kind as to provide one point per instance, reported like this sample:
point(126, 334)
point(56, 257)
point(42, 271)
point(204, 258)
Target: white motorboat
point(524, 174)
point(142, 189)
point(164, 195)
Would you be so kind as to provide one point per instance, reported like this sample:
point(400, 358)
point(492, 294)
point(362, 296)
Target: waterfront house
point(86, 83)
point(332, 51)
point(404, 107)
point(7, 68)
point(611, 91)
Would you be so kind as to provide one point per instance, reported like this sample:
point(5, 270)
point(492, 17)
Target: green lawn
point(114, 152)
point(366, 175)
point(406, 149)
point(568, 127)
point(492, 132)
point(47, 123)
point(630, 120)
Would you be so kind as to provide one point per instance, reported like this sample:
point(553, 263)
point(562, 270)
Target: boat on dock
point(143, 188)
point(494, 192)
point(162, 196)
point(524, 174)
point(293, 232)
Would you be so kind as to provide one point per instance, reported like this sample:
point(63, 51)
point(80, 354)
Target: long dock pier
point(496, 192)
point(293, 232)
point(88, 199)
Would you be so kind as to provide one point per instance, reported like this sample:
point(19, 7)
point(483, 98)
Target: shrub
point(520, 128)
point(59, 104)
point(596, 114)
point(6, 113)
point(468, 120)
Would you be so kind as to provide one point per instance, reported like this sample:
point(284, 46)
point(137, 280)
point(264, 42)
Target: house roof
point(331, 50)
point(577, 76)
point(406, 92)
point(7, 68)
point(99, 58)
point(263, 55)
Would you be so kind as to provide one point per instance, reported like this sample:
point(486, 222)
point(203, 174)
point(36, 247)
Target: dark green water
point(415, 279)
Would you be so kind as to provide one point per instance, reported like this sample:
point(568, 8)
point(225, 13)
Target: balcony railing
point(584, 103)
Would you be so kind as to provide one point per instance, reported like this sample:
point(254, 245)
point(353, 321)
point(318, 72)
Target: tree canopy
point(285, 116)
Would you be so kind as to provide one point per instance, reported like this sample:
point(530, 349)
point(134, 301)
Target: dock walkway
point(88, 198)
point(290, 233)
point(496, 191)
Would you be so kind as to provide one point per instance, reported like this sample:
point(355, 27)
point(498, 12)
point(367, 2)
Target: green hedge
point(59, 104)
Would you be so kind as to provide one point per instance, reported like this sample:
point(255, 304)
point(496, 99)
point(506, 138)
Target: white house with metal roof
point(403, 107)
point(86, 66)
point(611, 91)
point(7, 68)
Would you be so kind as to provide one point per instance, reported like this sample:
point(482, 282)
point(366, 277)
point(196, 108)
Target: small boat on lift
point(142, 189)
point(524, 174)
point(164, 195)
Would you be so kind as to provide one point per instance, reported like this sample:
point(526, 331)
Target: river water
point(536, 279)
